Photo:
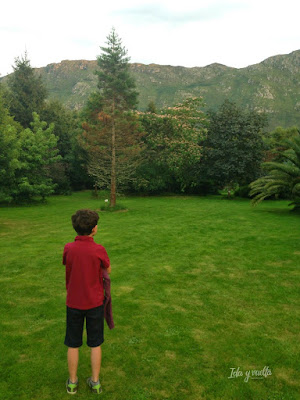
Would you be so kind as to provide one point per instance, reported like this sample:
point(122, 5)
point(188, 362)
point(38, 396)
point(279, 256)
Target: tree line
point(46, 148)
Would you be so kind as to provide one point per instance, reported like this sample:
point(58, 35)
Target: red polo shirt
point(83, 259)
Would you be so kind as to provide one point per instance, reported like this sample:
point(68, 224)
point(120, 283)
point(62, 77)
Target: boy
point(83, 259)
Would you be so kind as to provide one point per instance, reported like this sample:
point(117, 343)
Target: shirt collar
point(84, 238)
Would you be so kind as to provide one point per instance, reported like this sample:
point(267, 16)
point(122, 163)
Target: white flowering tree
point(173, 143)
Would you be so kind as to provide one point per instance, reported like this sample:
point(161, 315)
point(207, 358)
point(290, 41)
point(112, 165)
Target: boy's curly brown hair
point(84, 221)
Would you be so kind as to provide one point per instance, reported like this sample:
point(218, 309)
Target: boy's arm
point(68, 269)
point(64, 260)
point(105, 262)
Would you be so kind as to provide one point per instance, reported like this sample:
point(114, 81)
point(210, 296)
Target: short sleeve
point(105, 262)
point(64, 260)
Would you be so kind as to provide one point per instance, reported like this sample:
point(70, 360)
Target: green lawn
point(199, 286)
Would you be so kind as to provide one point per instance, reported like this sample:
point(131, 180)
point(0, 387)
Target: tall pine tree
point(27, 92)
point(112, 130)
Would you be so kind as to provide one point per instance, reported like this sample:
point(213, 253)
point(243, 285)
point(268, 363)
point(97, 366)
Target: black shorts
point(94, 326)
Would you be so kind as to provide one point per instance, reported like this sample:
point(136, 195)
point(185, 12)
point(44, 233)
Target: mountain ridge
point(271, 86)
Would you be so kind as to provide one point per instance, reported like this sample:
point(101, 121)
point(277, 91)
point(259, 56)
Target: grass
point(199, 286)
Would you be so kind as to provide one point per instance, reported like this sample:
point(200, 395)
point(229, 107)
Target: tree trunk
point(113, 161)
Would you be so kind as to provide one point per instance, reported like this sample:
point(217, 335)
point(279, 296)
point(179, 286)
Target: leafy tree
point(9, 151)
point(25, 157)
point(234, 148)
point(172, 145)
point(55, 113)
point(154, 174)
point(275, 141)
point(27, 92)
point(71, 170)
point(64, 129)
point(111, 131)
point(152, 107)
point(78, 172)
point(9, 160)
point(283, 178)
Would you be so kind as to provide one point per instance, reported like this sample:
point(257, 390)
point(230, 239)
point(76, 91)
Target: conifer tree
point(38, 150)
point(27, 92)
point(112, 130)
point(9, 150)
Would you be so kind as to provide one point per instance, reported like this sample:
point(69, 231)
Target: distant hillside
point(272, 86)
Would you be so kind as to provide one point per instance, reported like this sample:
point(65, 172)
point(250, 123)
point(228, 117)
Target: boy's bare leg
point(96, 355)
point(73, 356)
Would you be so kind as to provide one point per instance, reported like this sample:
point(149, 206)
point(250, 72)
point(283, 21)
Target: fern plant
point(282, 177)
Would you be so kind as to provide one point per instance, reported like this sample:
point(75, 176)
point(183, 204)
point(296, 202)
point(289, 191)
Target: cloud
point(15, 30)
point(156, 13)
point(190, 33)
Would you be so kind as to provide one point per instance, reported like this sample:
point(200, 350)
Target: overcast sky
point(189, 33)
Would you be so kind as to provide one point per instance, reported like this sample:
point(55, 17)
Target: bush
point(117, 207)
point(243, 191)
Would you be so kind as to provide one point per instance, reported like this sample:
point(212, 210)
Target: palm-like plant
point(282, 177)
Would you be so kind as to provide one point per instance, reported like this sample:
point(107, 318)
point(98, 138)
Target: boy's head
point(84, 221)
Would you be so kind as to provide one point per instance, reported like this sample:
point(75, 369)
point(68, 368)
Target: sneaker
point(71, 387)
point(94, 386)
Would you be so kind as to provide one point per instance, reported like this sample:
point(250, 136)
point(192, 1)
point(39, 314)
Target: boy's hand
point(109, 269)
